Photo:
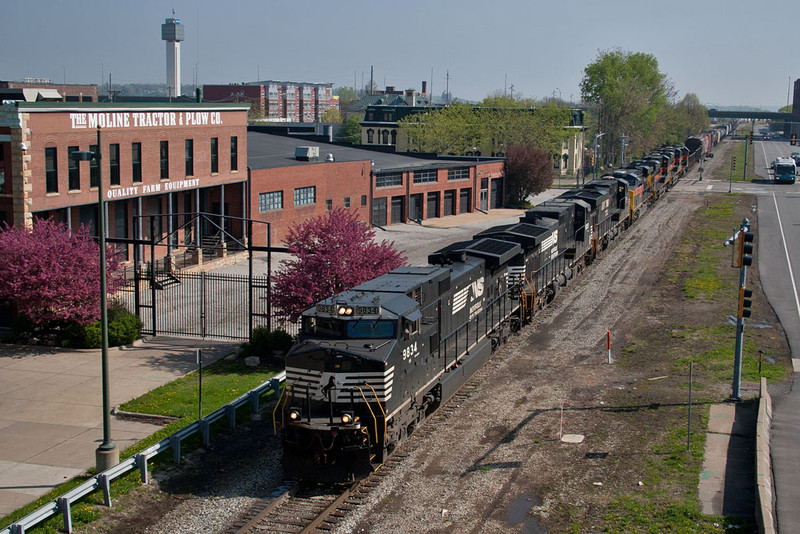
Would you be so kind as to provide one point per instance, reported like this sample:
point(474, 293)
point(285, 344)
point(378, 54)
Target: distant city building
point(278, 101)
point(43, 89)
point(172, 33)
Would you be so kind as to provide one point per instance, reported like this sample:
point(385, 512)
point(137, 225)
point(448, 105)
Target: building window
point(214, 155)
point(425, 177)
point(164, 156)
point(305, 195)
point(113, 163)
point(51, 169)
point(189, 157)
point(136, 162)
point(458, 174)
point(94, 167)
point(389, 179)
point(270, 201)
point(363, 200)
point(370, 136)
point(385, 137)
point(234, 153)
point(74, 170)
point(347, 202)
point(329, 204)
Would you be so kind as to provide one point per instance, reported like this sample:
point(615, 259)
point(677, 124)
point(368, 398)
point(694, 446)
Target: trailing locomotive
point(373, 362)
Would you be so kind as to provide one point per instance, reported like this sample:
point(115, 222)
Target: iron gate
point(207, 305)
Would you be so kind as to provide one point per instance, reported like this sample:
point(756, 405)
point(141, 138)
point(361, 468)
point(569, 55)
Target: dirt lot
point(496, 463)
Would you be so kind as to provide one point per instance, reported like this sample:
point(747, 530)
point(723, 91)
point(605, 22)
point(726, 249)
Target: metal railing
point(103, 480)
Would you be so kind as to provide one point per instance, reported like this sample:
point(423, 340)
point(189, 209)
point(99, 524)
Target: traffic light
point(734, 163)
point(751, 138)
point(794, 140)
point(745, 256)
point(744, 302)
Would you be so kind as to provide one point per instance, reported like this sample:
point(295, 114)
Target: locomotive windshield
point(350, 329)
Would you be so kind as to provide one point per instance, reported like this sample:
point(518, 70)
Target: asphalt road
point(777, 245)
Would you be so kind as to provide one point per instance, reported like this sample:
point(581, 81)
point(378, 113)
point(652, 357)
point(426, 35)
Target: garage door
point(415, 207)
point(397, 210)
point(450, 202)
point(464, 200)
point(433, 204)
point(497, 193)
point(379, 211)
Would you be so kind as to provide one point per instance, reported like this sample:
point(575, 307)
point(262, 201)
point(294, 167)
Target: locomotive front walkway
point(51, 407)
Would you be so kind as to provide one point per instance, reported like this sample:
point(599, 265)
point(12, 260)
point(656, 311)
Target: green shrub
point(264, 343)
point(123, 328)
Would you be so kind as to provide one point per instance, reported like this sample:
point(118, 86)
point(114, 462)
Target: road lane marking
point(709, 187)
point(786, 251)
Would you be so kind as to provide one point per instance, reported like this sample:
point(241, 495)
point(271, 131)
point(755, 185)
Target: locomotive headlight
point(347, 417)
point(295, 414)
point(345, 310)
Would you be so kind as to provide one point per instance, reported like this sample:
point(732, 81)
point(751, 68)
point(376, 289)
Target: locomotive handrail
point(284, 395)
point(383, 412)
point(374, 419)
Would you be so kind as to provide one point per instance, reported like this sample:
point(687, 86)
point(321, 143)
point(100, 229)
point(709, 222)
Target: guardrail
point(764, 516)
point(103, 480)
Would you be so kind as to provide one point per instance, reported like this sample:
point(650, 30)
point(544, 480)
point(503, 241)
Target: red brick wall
point(332, 181)
point(55, 130)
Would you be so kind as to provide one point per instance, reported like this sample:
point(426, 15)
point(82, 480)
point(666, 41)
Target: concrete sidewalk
point(51, 407)
point(727, 481)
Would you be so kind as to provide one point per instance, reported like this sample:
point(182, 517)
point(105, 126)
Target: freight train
point(373, 362)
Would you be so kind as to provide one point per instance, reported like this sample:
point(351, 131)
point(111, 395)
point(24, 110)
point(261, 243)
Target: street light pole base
point(106, 458)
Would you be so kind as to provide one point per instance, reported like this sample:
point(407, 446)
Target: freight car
point(373, 362)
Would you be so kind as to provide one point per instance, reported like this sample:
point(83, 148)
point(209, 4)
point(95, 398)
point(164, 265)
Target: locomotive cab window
point(366, 329)
point(410, 328)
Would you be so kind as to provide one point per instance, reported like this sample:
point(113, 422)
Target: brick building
point(384, 188)
point(157, 159)
point(279, 101)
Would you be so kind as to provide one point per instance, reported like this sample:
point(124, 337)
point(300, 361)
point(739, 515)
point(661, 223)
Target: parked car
point(796, 157)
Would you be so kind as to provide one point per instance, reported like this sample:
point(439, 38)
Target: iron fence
point(206, 305)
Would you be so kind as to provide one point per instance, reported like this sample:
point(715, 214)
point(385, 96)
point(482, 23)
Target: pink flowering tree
point(52, 276)
point(333, 252)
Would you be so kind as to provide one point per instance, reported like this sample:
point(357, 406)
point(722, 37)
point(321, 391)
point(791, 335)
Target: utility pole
point(596, 137)
point(622, 139)
point(448, 87)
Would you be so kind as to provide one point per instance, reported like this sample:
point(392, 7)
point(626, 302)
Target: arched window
point(385, 137)
point(556, 161)
point(394, 137)
point(565, 161)
point(370, 136)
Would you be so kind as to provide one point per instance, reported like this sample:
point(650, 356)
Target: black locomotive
point(373, 362)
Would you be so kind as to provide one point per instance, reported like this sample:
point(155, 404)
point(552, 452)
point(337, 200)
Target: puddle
point(517, 514)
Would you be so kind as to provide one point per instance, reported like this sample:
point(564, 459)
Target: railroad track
point(298, 508)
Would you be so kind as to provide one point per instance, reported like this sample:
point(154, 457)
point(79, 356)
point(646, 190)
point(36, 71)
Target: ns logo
point(461, 297)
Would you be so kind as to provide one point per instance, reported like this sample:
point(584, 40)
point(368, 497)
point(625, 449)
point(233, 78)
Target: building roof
point(266, 151)
point(32, 107)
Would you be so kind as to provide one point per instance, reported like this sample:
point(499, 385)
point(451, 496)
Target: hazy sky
point(728, 52)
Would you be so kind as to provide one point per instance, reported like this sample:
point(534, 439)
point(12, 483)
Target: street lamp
point(107, 454)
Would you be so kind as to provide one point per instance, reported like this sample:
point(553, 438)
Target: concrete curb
point(765, 516)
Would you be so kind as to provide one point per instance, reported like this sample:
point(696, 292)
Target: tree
point(347, 97)
point(351, 132)
point(529, 171)
point(499, 122)
point(332, 253)
point(52, 275)
point(629, 92)
point(331, 116)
